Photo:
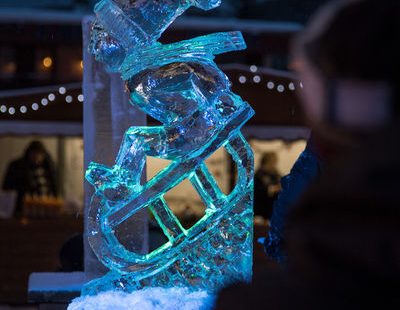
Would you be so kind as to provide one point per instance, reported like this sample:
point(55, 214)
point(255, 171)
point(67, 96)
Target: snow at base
point(146, 299)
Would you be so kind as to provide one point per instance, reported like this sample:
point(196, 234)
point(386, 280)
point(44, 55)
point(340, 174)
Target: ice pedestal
point(107, 115)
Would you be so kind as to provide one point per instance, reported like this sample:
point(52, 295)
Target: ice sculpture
point(179, 85)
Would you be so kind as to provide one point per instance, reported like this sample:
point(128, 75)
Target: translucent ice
point(179, 85)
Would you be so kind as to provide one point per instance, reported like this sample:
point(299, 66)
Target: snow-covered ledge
point(54, 287)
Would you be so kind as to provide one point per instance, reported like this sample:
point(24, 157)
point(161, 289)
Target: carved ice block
point(179, 85)
point(107, 114)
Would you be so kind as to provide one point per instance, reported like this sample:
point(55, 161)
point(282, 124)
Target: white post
point(107, 115)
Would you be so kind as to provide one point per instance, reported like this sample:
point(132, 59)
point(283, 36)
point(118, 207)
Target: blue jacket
point(304, 171)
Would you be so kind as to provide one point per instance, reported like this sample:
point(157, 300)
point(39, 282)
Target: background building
point(41, 98)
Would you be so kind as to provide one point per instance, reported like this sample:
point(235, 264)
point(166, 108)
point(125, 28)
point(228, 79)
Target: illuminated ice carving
point(179, 85)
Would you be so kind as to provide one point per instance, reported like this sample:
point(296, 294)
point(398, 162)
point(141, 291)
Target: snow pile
point(146, 299)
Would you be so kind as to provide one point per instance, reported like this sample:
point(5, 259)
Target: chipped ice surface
point(146, 299)
point(179, 85)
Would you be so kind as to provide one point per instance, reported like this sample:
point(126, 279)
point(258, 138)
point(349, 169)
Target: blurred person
point(316, 157)
point(319, 98)
point(33, 174)
point(343, 236)
point(266, 185)
point(306, 168)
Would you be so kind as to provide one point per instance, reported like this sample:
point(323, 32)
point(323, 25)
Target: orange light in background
point(47, 62)
point(9, 68)
point(77, 68)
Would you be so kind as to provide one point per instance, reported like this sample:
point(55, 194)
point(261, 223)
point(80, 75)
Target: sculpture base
point(151, 298)
point(219, 256)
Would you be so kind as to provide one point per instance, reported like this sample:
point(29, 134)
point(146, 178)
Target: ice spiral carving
point(180, 85)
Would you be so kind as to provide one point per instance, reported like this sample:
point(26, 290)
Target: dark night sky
point(270, 10)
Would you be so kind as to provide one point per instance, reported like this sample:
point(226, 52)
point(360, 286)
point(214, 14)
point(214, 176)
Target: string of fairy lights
point(44, 102)
point(271, 85)
point(67, 91)
point(63, 91)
